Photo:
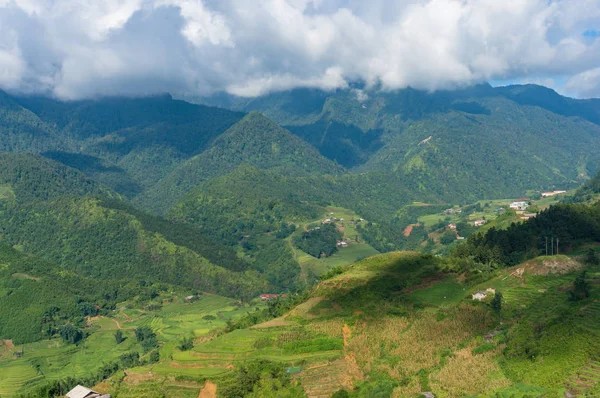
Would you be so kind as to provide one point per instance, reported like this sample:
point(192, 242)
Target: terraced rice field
point(52, 360)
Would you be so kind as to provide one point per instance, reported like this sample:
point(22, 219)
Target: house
point(451, 226)
point(553, 193)
point(327, 221)
point(460, 238)
point(490, 290)
point(480, 295)
point(84, 392)
point(189, 299)
point(478, 223)
point(341, 243)
point(269, 297)
point(520, 205)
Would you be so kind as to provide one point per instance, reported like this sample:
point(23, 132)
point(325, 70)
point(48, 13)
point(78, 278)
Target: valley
point(301, 244)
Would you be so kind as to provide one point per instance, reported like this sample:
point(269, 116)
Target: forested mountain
point(254, 140)
point(485, 141)
point(62, 216)
point(129, 144)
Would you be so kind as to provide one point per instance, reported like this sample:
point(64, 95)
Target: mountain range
point(223, 199)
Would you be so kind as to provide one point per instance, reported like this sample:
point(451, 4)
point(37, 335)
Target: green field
point(52, 360)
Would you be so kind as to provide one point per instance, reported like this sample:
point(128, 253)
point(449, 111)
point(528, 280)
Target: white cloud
point(86, 48)
point(585, 84)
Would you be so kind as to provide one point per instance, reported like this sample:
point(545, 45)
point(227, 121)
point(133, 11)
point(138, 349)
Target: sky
point(74, 49)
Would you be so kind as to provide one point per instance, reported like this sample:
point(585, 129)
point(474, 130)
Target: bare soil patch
point(208, 391)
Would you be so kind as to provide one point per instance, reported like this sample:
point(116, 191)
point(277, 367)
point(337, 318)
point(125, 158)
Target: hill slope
point(129, 144)
point(254, 140)
point(485, 142)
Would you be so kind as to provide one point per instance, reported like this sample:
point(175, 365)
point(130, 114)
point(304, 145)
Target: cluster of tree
point(61, 301)
point(96, 241)
point(261, 378)
point(586, 193)
point(385, 237)
point(319, 241)
point(146, 337)
point(569, 223)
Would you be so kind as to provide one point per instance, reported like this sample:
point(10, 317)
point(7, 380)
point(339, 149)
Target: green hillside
point(255, 140)
point(128, 144)
point(33, 177)
point(485, 142)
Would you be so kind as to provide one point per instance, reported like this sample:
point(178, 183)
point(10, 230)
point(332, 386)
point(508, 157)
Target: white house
point(519, 205)
point(547, 194)
point(478, 223)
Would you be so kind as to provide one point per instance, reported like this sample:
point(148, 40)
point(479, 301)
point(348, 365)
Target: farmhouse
point(451, 226)
point(341, 243)
point(480, 295)
point(84, 392)
point(520, 205)
point(490, 290)
point(269, 297)
point(478, 223)
point(189, 299)
point(553, 193)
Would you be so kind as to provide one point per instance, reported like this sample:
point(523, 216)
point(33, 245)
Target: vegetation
point(95, 291)
point(319, 241)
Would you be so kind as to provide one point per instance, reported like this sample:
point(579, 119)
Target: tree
point(581, 288)
point(591, 258)
point(186, 344)
point(143, 333)
point(154, 356)
point(119, 336)
point(70, 334)
point(340, 394)
point(496, 303)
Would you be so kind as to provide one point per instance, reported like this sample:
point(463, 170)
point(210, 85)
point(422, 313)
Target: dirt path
point(208, 391)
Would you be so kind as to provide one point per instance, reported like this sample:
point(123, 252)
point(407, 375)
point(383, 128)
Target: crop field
point(52, 360)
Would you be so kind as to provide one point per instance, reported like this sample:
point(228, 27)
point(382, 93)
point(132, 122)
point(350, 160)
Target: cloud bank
point(75, 49)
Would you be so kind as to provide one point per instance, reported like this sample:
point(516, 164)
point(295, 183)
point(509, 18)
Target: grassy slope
point(422, 332)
